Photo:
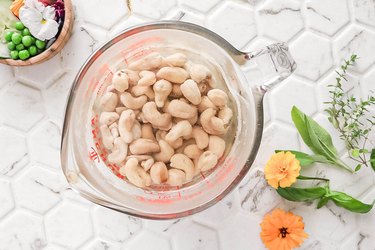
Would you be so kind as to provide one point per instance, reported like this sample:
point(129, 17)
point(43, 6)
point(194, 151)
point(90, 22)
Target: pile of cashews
point(163, 120)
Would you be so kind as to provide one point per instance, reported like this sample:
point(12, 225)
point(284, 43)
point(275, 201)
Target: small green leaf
point(299, 122)
point(303, 158)
point(306, 159)
point(349, 203)
point(323, 201)
point(372, 159)
point(355, 152)
point(320, 143)
point(358, 167)
point(301, 194)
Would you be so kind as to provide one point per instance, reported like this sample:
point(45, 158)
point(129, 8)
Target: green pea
point(26, 32)
point(33, 50)
point(24, 54)
point(8, 36)
point(40, 51)
point(40, 44)
point(14, 54)
point(16, 38)
point(27, 41)
point(20, 47)
point(33, 40)
point(19, 26)
point(11, 46)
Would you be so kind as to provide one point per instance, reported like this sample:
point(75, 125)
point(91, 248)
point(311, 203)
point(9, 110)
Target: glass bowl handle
point(275, 64)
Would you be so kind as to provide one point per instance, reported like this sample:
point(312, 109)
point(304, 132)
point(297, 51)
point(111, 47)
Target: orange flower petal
point(282, 169)
point(277, 221)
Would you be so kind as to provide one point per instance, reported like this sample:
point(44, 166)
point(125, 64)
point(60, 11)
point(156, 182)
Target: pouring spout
point(275, 64)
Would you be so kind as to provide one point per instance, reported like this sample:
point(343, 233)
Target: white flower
point(39, 19)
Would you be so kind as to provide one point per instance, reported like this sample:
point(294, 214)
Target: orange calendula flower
point(282, 230)
point(282, 169)
point(16, 6)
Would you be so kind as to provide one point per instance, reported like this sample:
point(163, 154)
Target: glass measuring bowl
point(84, 158)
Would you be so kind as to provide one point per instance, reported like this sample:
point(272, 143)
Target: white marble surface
point(39, 211)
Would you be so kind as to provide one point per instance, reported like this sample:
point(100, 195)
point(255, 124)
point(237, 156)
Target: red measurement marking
point(94, 155)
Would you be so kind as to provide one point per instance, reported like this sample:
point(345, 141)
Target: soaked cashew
point(141, 118)
point(199, 72)
point(143, 146)
point(177, 60)
point(135, 174)
point(211, 124)
point(141, 90)
point(191, 91)
point(176, 177)
point(182, 128)
point(218, 97)
point(108, 118)
point(162, 89)
point(147, 132)
point(114, 130)
point(120, 81)
point(151, 61)
point(132, 76)
point(139, 157)
point(125, 125)
point(201, 137)
point(226, 115)
point(178, 108)
point(173, 120)
point(176, 91)
point(193, 152)
point(202, 88)
point(160, 135)
point(206, 161)
point(119, 151)
point(216, 145)
point(166, 105)
point(166, 151)
point(157, 119)
point(159, 172)
point(145, 176)
point(133, 102)
point(136, 130)
point(205, 104)
point(107, 136)
point(177, 143)
point(173, 74)
point(119, 110)
point(108, 102)
point(147, 78)
point(147, 164)
point(181, 161)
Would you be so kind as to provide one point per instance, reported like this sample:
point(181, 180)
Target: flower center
point(283, 232)
point(43, 21)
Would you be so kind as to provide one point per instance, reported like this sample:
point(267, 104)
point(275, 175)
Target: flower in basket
point(39, 19)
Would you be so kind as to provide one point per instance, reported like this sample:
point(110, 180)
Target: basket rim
point(55, 48)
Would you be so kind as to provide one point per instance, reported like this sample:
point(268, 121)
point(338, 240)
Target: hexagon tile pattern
point(38, 210)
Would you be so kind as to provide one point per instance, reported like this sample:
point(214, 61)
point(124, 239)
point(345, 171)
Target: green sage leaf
point(298, 118)
point(320, 133)
point(349, 203)
point(302, 194)
point(303, 158)
point(306, 159)
point(323, 201)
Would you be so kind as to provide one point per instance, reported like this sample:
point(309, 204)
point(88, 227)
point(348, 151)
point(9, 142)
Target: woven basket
point(55, 47)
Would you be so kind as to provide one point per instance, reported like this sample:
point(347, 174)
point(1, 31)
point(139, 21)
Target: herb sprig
point(352, 118)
